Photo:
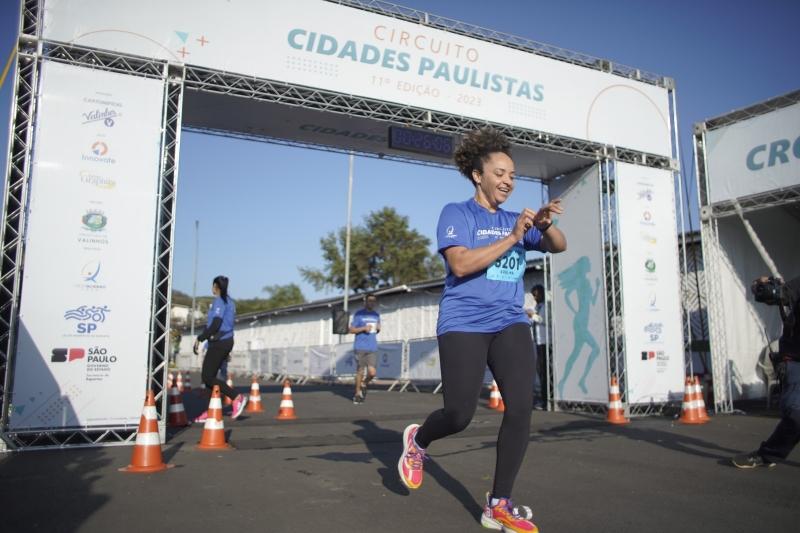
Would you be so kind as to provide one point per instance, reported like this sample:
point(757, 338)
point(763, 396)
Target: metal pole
point(684, 271)
point(347, 237)
point(194, 277)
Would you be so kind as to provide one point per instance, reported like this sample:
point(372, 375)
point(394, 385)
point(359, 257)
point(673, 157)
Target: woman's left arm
point(553, 239)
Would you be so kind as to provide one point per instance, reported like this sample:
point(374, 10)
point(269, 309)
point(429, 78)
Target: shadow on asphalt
point(27, 479)
point(385, 445)
point(664, 439)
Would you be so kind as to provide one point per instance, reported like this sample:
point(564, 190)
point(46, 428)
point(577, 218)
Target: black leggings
point(463, 358)
point(217, 352)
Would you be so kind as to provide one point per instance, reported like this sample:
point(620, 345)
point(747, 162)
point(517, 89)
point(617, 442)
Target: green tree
point(283, 295)
point(384, 251)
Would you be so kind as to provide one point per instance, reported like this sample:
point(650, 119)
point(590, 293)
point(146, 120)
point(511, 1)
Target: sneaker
point(410, 464)
point(751, 460)
point(357, 399)
point(238, 406)
point(201, 418)
point(504, 516)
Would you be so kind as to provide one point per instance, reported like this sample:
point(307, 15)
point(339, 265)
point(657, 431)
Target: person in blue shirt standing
point(482, 321)
point(219, 334)
point(365, 326)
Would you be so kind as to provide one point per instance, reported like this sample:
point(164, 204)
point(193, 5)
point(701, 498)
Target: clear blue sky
point(262, 208)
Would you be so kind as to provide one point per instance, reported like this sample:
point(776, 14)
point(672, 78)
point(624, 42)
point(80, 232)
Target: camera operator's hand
point(757, 282)
point(779, 365)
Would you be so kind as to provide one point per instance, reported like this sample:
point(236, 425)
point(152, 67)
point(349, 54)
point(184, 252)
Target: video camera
point(769, 291)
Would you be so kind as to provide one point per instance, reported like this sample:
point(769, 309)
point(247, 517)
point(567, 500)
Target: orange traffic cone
point(229, 382)
point(177, 414)
point(494, 396)
point(179, 383)
point(187, 384)
point(690, 407)
point(213, 437)
point(616, 414)
point(147, 450)
point(501, 405)
point(698, 397)
point(286, 411)
point(254, 403)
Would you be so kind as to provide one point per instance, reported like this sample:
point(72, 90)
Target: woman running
point(219, 334)
point(482, 321)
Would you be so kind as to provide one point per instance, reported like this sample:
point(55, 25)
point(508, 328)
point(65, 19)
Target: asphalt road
point(334, 470)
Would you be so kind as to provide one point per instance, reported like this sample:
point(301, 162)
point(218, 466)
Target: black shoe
point(751, 460)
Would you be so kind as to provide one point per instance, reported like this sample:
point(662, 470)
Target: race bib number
point(509, 267)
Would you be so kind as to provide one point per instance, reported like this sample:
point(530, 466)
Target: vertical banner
point(83, 337)
point(650, 283)
point(578, 301)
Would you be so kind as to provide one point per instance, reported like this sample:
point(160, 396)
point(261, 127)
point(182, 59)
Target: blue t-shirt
point(492, 299)
point(366, 342)
point(225, 311)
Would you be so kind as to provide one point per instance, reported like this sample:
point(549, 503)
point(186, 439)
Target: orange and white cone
point(177, 414)
point(690, 408)
point(616, 413)
point(286, 411)
point(501, 406)
point(229, 382)
point(213, 437)
point(254, 402)
point(146, 456)
point(187, 384)
point(494, 396)
point(698, 397)
point(179, 383)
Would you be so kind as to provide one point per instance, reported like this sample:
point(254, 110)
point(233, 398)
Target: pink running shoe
point(238, 406)
point(504, 516)
point(202, 417)
point(410, 464)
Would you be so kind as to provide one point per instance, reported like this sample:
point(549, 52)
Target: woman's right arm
point(464, 261)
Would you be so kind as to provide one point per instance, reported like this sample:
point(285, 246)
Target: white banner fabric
point(754, 156)
point(344, 360)
point(239, 363)
point(319, 361)
point(352, 51)
point(578, 299)
point(277, 358)
point(296, 361)
point(651, 288)
point(84, 319)
point(389, 360)
point(423, 360)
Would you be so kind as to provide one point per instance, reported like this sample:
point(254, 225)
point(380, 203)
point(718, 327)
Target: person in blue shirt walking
point(482, 321)
point(365, 326)
point(219, 334)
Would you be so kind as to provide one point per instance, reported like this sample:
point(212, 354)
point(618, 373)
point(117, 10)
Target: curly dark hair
point(476, 147)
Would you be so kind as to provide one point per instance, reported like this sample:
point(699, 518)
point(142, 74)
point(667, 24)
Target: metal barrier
point(407, 363)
